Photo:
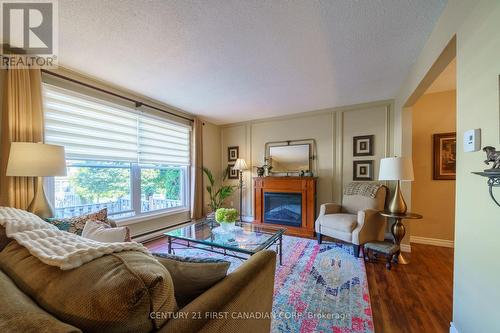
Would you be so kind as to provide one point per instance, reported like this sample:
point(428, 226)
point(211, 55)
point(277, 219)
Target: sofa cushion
point(114, 293)
point(19, 313)
point(340, 222)
point(192, 276)
point(76, 224)
point(4, 240)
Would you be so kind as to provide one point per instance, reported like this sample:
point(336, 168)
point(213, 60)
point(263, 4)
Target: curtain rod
point(136, 102)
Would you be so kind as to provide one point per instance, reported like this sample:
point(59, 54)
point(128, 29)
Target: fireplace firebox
point(283, 208)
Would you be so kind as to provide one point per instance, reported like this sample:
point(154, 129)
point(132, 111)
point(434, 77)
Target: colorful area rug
point(319, 288)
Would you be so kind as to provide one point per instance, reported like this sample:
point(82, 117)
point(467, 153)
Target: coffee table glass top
point(244, 237)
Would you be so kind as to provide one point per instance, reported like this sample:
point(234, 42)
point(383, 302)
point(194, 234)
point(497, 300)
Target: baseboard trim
point(453, 329)
point(147, 237)
point(405, 247)
point(432, 241)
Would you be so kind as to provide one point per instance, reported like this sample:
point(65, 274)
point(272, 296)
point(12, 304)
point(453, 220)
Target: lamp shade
point(396, 168)
point(240, 165)
point(28, 159)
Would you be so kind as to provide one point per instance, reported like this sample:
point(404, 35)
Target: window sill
point(151, 216)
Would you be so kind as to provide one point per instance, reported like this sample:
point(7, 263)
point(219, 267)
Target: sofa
point(357, 220)
point(128, 291)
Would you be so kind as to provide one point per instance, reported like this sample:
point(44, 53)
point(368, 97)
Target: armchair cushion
point(340, 222)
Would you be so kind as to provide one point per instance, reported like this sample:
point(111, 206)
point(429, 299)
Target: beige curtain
point(22, 121)
point(197, 171)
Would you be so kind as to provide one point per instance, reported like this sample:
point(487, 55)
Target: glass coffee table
point(243, 239)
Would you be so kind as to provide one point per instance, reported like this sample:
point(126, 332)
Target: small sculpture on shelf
point(260, 171)
point(492, 155)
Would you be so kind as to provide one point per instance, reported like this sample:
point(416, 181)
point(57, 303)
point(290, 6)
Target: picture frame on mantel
point(363, 145)
point(445, 153)
point(233, 153)
point(362, 170)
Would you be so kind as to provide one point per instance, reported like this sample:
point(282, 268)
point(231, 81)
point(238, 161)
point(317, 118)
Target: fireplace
point(283, 208)
point(288, 202)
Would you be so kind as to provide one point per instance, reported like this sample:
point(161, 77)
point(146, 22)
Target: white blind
point(94, 129)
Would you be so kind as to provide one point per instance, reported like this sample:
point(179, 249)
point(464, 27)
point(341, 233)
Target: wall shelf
point(493, 181)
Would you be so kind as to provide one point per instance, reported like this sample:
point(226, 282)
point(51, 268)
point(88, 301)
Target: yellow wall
point(434, 199)
point(477, 225)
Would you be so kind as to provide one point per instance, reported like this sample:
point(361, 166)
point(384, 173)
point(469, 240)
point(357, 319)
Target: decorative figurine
point(492, 155)
point(267, 170)
point(260, 171)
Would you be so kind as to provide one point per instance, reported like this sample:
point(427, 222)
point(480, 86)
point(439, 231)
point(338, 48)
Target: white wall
point(477, 226)
point(331, 129)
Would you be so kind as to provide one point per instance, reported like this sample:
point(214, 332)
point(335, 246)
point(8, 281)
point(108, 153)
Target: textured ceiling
point(239, 60)
point(446, 81)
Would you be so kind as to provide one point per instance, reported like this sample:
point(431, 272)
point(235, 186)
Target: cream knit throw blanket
point(53, 246)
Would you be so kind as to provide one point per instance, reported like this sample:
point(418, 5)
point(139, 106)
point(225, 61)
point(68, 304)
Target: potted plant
point(217, 193)
point(226, 217)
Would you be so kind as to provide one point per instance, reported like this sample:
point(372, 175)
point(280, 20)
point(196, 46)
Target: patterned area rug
point(319, 288)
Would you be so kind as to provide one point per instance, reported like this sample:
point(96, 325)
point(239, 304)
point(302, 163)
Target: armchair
point(357, 220)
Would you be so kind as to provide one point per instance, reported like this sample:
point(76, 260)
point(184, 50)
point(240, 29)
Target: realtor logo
point(29, 33)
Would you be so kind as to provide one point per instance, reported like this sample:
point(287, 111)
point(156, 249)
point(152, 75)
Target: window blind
point(94, 129)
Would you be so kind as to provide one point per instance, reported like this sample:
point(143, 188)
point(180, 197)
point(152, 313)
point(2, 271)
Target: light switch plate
point(472, 140)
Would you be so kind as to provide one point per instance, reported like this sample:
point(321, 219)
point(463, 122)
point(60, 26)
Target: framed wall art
point(362, 170)
point(445, 154)
point(363, 145)
point(233, 174)
point(233, 153)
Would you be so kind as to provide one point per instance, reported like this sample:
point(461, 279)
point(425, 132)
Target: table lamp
point(400, 169)
point(240, 166)
point(39, 160)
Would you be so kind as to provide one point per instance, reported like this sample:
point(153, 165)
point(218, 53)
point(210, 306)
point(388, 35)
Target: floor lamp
point(240, 166)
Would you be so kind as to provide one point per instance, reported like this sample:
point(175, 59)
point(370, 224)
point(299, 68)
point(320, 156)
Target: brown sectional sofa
point(128, 292)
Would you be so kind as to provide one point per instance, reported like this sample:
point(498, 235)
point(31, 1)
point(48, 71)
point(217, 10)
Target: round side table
point(398, 230)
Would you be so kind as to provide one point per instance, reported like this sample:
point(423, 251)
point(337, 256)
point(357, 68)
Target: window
point(131, 162)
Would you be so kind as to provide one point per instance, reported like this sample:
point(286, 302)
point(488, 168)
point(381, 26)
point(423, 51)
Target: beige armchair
point(357, 220)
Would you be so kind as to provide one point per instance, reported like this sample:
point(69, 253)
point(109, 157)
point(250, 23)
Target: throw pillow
point(192, 276)
point(103, 232)
point(76, 224)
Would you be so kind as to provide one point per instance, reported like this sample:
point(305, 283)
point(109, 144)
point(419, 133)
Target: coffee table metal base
point(189, 244)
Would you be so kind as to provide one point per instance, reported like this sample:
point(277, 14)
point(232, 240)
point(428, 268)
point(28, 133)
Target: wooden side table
point(398, 230)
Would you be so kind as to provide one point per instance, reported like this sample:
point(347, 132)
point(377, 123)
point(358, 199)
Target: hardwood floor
point(408, 298)
point(415, 297)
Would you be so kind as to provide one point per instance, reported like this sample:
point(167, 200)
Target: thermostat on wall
point(472, 140)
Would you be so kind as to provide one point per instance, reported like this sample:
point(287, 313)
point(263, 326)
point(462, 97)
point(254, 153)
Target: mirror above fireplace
point(290, 156)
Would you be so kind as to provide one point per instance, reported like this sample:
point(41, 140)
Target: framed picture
point(233, 153)
point(362, 170)
point(363, 145)
point(445, 156)
point(233, 174)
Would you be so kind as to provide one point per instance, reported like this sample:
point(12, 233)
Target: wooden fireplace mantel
point(306, 186)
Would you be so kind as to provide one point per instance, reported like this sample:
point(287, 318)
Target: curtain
point(196, 170)
point(22, 121)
